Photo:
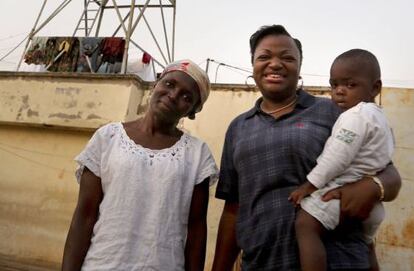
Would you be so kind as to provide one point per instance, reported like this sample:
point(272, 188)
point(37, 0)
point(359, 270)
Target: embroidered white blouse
point(143, 216)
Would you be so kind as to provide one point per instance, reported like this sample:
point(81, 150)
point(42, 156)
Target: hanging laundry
point(36, 52)
point(146, 58)
point(141, 67)
point(50, 50)
point(24, 67)
point(65, 55)
point(112, 49)
point(88, 54)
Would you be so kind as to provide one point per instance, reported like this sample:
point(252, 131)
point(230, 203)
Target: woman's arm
point(226, 246)
point(83, 221)
point(195, 248)
point(358, 198)
point(391, 181)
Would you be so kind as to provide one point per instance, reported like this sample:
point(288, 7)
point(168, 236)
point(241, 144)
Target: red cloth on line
point(146, 58)
point(112, 49)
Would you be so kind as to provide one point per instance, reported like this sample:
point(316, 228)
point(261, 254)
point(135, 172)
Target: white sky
point(220, 30)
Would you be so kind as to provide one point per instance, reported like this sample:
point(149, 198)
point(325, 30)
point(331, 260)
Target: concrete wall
point(45, 121)
point(38, 191)
point(81, 101)
point(396, 236)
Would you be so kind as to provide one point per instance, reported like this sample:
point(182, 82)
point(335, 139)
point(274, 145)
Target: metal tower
point(155, 14)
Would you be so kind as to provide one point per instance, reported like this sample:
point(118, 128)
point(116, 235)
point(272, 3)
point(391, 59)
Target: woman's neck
point(151, 124)
point(271, 106)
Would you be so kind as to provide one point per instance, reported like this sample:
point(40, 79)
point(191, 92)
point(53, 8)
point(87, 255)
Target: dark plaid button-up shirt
point(263, 160)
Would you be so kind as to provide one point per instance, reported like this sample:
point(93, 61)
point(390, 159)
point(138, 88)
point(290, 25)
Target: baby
point(361, 144)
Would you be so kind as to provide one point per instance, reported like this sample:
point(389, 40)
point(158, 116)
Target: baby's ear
point(376, 88)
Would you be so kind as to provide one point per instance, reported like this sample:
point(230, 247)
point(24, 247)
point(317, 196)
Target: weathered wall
point(38, 191)
point(80, 101)
point(45, 121)
point(396, 235)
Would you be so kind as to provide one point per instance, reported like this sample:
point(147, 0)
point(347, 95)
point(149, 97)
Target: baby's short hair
point(365, 58)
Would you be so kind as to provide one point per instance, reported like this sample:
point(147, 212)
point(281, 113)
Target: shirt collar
point(304, 100)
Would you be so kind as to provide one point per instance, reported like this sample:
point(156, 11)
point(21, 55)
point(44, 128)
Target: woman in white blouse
point(144, 186)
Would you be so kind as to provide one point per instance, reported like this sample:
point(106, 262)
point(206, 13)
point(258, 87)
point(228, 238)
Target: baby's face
point(350, 84)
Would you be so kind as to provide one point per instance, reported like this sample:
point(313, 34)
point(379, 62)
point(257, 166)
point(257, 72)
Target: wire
point(230, 66)
point(218, 66)
point(316, 75)
point(8, 62)
point(34, 151)
point(10, 37)
point(4, 49)
point(33, 161)
point(237, 71)
point(12, 50)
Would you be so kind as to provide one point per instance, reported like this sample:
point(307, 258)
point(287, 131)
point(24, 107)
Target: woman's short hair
point(267, 30)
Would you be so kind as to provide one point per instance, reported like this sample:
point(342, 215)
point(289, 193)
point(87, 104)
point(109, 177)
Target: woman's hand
point(357, 199)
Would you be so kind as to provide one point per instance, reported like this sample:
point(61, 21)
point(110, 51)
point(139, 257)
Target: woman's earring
point(300, 83)
point(247, 84)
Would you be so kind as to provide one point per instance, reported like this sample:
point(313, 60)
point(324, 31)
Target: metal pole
point(165, 32)
point(140, 15)
point(218, 66)
point(85, 15)
point(101, 11)
point(141, 6)
point(58, 9)
point(121, 24)
point(128, 37)
point(31, 35)
point(143, 50)
point(120, 18)
point(153, 36)
point(173, 34)
point(153, 70)
point(207, 65)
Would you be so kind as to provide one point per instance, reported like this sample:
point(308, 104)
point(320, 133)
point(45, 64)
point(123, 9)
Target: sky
point(220, 30)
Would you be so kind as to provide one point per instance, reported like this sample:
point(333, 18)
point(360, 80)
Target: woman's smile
point(274, 78)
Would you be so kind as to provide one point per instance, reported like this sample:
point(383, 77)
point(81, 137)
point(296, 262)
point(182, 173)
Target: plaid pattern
point(263, 160)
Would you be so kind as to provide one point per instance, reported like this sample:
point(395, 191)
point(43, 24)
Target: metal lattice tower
point(129, 14)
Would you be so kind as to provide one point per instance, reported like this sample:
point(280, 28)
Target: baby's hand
point(303, 191)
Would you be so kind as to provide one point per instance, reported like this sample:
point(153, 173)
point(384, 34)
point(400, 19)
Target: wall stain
point(90, 105)
point(93, 116)
point(67, 91)
point(66, 116)
point(408, 233)
point(31, 113)
point(389, 236)
point(25, 100)
point(61, 174)
point(25, 105)
point(70, 104)
point(406, 98)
